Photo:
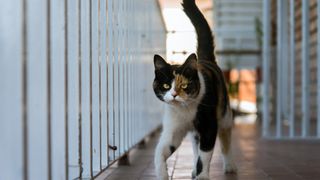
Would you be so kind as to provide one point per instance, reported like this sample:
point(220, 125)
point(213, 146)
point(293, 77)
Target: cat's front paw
point(230, 168)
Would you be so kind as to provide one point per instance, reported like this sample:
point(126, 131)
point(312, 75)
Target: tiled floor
point(257, 159)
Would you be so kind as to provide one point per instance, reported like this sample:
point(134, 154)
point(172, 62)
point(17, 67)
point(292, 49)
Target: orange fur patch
point(179, 81)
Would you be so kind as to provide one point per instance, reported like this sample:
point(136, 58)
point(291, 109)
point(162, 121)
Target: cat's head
point(176, 84)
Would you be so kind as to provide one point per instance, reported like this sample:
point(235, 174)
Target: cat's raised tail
point(205, 48)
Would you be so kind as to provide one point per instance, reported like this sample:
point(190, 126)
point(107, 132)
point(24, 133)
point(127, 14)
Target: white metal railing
point(75, 84)
point(285, 123)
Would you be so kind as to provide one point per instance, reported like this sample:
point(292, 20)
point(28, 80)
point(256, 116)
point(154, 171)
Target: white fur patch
point(168, 95)
point(205, 158)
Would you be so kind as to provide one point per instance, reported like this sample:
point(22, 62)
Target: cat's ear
point(159, 62)
point(191, 61)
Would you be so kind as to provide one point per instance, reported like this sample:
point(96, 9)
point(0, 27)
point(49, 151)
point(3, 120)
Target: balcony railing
point(291, 69)
point(75, 84)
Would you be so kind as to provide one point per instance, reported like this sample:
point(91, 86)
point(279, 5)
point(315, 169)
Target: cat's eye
point(184, 86)
point(166, 86)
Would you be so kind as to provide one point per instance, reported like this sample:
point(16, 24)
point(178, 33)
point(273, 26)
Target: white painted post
point(37, 91)
point(111, 97)
point(120, 76)
point(85, 89)
point(305, 69)
point(95, 87)
point(104, 80)
point(116, 76)
point(266, 71)
point(73, 88)
point(12, 62)
point(131, 38)
point(57, 92)
point(292, 70)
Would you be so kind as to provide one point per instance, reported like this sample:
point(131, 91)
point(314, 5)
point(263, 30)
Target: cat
point(196, 101)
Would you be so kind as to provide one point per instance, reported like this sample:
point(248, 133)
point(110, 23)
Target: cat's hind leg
point(225, 140)
point(195, 147)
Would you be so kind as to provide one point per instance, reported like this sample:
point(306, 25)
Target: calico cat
point(196, 103)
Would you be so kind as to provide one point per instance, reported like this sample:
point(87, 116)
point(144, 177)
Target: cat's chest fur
point(178, 115)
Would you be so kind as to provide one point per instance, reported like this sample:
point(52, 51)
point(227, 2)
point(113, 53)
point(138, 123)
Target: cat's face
point(176, 84)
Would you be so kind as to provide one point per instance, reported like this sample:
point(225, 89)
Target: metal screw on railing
point(113, 147)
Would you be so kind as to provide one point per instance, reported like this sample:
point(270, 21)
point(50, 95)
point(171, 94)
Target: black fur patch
point(199, 166)
point(172, 149)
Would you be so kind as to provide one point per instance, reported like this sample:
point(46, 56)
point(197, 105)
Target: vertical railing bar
point(112, 67)
point(305, 68)
point(118, 74)
point(318, 68)
point(49, 88)
point(266, 58)
point(123, 76)
point(279, 68)
point(80, 90)
point(99, 61)
point(136, 57)
point(25, 90)
point(119, 52)
point(117, 78)
point(292, 70)
point(128, 85)
point(133, 38)
point(128, 73)
point(90, 88)
point(126, 76)
point(66, 87)
point(131, 73)
point(134, 84)
point(113, 82)
point(107, 82)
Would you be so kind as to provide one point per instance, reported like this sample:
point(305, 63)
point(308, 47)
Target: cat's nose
point(174, 94)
